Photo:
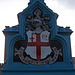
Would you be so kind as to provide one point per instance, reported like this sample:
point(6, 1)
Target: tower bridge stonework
point(37, 45)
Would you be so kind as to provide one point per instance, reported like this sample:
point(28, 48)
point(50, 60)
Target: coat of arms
point(38, 50)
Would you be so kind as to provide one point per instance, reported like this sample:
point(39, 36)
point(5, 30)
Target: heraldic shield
point(38, 50)
point(38, 45)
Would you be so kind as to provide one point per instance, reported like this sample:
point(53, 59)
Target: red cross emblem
point(38, 45)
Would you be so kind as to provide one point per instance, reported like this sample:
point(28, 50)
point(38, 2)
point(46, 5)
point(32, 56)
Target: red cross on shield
point(38, 46)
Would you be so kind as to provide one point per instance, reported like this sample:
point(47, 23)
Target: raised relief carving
point(38, 50)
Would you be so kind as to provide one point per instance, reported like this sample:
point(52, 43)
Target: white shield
point(38, 45)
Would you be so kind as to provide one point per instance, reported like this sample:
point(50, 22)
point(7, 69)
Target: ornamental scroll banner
point(37, 45)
